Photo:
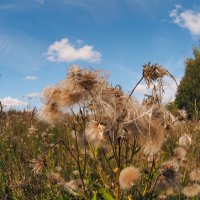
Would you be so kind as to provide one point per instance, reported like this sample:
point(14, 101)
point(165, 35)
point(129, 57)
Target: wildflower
point(128, 176)
point(37, 165)
point(185, 140)
point(195, 175)
point(192, 190)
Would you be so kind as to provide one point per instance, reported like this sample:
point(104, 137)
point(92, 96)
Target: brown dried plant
point(107, 120)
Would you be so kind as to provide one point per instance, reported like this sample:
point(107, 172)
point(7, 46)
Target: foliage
point(188, 93)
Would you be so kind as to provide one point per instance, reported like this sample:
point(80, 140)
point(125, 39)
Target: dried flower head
point(37, 165)
point(95, 132)
point(74, 187)
point(154, 72)
point(50, 114)
point(182, 115)
point(82, 79)
point(180, 153)
point(192, 190)
point(128, 177)
point(68, 98)
point(185, 140)
point(55, 178)
point(195, 175)
point(32, 130)
point(154, 138)
point(50, 94)
point(168, 178)
point(162, 184)
point(172, 163)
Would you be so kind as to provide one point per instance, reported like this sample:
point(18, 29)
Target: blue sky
point(40, 39)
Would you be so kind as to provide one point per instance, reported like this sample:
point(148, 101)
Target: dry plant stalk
point(107, 119)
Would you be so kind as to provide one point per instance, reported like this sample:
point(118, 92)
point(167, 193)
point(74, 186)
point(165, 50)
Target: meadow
point(90, 140)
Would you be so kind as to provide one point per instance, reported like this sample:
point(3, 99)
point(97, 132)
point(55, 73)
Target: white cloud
point(63, 51)
point(141, 88)
point(33, 95)
point(30, 78)
point(12, 102)
point(186, 19)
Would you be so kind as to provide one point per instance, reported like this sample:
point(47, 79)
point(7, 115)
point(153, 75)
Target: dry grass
point(86, 153)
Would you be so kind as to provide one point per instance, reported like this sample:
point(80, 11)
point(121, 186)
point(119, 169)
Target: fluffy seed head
point(55, 178)
point(195, 175)
point(50, 114)
point(192, 190)
point(173, 163)
point(128, 177)
point(94, 132)
point(73, 186)
point(185, 140)
point(180, 153)
point(155, 139)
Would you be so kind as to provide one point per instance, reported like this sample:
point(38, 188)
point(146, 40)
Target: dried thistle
point(50, 114)
point(55, 178)
point(185, 140)
point(180, 153)
point(128, 177)
point(95, 133)
point(154, 72)
point(182, 114)
point(195, 175)
point(37, 165)
point(169, 177)
point(74, 187)
point(192, 190)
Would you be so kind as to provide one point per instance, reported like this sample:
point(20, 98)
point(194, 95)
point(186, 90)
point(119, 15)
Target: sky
point(41, 39)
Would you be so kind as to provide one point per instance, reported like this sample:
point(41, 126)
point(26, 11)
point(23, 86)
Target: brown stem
point(135, 86)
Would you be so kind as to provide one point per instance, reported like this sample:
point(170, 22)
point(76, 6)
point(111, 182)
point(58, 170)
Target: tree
point(188, 93)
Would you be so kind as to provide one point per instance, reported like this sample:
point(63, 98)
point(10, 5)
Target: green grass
point(18, 147)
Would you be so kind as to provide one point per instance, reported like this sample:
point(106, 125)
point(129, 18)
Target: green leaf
point(106, 194)
point(95, 196)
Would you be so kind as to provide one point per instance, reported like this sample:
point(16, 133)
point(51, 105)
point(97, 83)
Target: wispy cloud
point(6, 6)
point(12, 102)
point(64, 51)
point(20, 51)
point(33, 95)
point(40, 1)
point(186, 19)
point(30, 78)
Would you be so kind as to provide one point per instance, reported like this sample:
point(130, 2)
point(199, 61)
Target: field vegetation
point(90, 140)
